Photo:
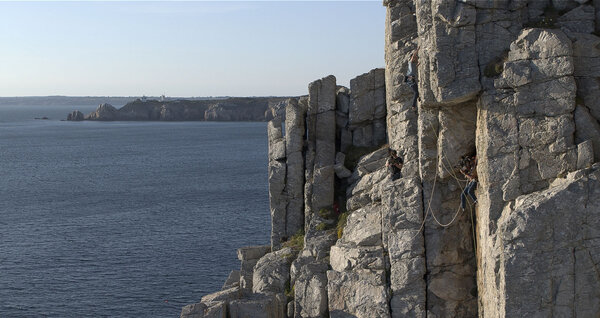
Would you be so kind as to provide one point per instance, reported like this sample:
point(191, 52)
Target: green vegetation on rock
point(341, 224)
point(296, 242)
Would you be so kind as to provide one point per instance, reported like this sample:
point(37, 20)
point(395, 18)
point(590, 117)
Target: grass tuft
point(296, 242)
point(343, 219)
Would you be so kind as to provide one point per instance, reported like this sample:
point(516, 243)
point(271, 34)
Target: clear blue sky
point(201, 48)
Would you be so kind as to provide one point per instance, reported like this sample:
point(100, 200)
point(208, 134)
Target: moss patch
point(496, 66)
point(327, 214)
point(296, 242)
point(342, 220)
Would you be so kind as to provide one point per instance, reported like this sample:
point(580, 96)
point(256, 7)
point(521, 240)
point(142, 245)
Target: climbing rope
point(458, 181)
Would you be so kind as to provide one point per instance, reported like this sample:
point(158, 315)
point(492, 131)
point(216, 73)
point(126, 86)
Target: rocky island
point(228, 109)
point(515, 82)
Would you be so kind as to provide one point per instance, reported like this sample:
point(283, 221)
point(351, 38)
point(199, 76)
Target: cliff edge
point(514, 83)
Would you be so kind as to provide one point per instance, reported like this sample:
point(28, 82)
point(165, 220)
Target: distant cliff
point(230, 109)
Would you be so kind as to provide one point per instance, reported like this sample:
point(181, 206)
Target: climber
point(411, 77)
point(469, 170)
point(394, 163)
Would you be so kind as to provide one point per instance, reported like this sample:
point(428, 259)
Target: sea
point(124, 219)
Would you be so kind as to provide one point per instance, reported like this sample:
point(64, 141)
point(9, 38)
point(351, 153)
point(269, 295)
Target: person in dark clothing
point(411, 77)
point(469, 170)
point(394, 164)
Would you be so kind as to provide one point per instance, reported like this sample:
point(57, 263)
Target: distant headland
point(213, 109)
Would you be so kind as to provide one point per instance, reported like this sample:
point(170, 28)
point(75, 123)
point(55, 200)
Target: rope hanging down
point(458, 181)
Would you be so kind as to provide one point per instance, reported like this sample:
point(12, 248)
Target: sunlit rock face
point(514, 83)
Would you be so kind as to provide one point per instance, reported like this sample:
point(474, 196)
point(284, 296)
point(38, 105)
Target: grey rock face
point(233, 280)
point(75, 116)
point(277, 182)
point(579, 20)
point(249, 256)
point(524, 148)
point(103, 112)
point(200, 310)
point(310, 291)
point(357, 285)
point(272, 272)
point(361, 293)
point(259, 306)
point(400, 41)
point(585, 154)
point(553, 248)
point(320, 156)
point(222, 296)
point(340, 170)
point(448, 64)
point(367, 109)
point(294, 137)
point(402, 215)
point(588, 128)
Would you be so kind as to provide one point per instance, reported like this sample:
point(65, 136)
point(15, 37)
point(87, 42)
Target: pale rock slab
point(543, 243)
point(363, 227)
point(233, 280)
point(310, 291)
point(259, 306)
point(222, 296)
point(360, 294)
point(201, 310)
point(272, 272)
point(585, 154)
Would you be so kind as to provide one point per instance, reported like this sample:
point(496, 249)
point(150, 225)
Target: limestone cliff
point(228, 109)
point(514, 82)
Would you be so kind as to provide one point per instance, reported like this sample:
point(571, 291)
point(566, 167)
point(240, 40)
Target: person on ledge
point(411, 77)
point(394, 164)
point(469, 170)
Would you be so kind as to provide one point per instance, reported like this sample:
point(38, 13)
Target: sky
point(189, 48)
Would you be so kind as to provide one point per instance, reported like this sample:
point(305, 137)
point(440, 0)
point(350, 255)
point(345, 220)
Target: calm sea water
point(123, 219)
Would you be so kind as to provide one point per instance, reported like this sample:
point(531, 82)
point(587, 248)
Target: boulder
point(340, 170)
point(272, 272)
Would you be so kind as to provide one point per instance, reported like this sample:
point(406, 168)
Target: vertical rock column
point(525, 139)
point(449, 250)
point(448, 61)
point(368, 109)
point(400, 41)
point(344, 135)
point(320, 156)
point(277, 181)
point(294, 140)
